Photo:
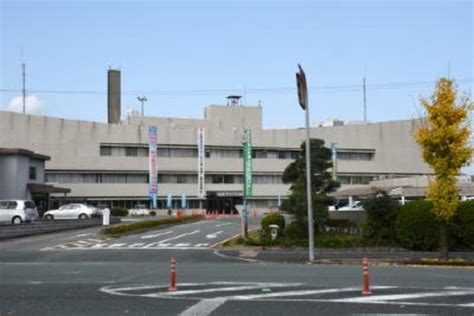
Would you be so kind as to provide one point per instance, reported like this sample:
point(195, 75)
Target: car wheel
point(16, 220)
point(82, 216)
point(49, 217)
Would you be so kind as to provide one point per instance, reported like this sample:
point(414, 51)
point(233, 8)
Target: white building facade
point(108, 163)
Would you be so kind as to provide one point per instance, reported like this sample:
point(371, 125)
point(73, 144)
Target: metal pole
point(365, 101)
point(308, 187)
point(24, 87)
point(244, 211)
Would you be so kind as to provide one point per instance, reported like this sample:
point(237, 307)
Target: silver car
point(73, 211)
point(18, 211)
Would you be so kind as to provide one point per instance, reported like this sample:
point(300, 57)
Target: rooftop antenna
point(23, 74)
point(365, 99)
point(142, 101)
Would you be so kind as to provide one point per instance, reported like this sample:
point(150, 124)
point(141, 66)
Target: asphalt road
point(38, 277)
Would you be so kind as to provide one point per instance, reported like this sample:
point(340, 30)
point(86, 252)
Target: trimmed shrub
point(379, 228)
point(153, 213)
point(143, 225)
point(464, 221)
point(118, 211)
point(297, 232)
point(338, 241)
point(272, 219)
point(417, 227)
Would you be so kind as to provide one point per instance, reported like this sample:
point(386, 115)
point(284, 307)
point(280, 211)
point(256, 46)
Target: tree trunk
point(443, 240)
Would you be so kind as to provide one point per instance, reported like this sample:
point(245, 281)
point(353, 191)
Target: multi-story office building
point(108, 162)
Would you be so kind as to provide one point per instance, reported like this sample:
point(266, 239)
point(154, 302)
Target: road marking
point(397, 297)
point(214, 235)
point(292, 293)
point(117, 245)
point(201, 245)
point(157, 235)
point(204, 307)
point(179, 236)
point(81, 235)
point(224, 289)
point(183, 245)
point(137, 244)
point(467, 305)
point(223, 224)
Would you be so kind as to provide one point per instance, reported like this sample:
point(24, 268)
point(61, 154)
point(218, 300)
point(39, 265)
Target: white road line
point(204, 307)
point(157, 235)
point(201, 245)
point(179, 236)
point(83, 242)
point(183, 245)
point(137, 244)
point(117, 245)
point(99, 245)
point(466, 305)
point(214, 235)
point(397, 297)
point(82, 235)
point(292, 293)
point(223, 224)
point(218, 289)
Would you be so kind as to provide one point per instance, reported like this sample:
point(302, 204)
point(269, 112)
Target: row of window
point(134, 151)
point(162, 178)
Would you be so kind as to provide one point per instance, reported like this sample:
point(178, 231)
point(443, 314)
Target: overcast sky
point(184, 55)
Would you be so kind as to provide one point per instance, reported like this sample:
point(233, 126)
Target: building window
point(131, 151)
point(105, 151)
point(32, 173)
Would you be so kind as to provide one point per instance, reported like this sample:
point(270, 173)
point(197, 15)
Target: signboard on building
point(247, 142)
point(183, 200)
point(201, 190)
point(153, 164)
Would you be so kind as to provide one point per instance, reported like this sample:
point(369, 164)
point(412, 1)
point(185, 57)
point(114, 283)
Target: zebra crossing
point(107, 243)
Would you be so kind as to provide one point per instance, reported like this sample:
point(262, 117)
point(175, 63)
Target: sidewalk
point(348, 256)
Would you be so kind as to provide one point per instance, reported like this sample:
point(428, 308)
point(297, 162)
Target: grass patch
point(144, 225)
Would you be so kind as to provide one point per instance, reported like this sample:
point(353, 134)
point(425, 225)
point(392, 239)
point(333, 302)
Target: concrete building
point(22, 176)
point(108, 163)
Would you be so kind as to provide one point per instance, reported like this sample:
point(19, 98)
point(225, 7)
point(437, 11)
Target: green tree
point(444, 139)
point(322, 184)
point(379, 228)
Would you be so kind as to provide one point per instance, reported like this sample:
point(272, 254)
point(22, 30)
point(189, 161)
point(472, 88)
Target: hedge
point(273, 219)
point(464, 222)
point(417, 227)
point(143, 225)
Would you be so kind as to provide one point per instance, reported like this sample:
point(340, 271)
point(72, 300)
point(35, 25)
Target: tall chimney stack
point(113, 96)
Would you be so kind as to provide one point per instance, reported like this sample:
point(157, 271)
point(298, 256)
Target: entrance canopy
point(41, 188)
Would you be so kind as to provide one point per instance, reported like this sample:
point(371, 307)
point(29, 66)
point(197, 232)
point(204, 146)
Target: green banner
point(247, 163)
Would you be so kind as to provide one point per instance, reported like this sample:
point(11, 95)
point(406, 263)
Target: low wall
point(45, 226)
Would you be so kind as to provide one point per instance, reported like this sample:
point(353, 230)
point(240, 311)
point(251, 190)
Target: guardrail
point(45, 226)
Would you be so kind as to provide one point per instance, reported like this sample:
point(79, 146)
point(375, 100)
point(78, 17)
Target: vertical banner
point(201, 190)
point(334, 161)
point(169, 201)
point(247, 163)
point(152, 163)
point(279, 200)
point(183, 200)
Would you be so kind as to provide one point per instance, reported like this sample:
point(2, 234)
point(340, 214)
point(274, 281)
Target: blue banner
point(168, 201)
point(153, 197)
point(183, 200)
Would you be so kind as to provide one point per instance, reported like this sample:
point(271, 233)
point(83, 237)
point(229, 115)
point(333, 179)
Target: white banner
point(153, 168)
point(201, 190)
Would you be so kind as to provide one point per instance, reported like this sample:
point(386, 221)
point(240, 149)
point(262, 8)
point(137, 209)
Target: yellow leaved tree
point(444, 137)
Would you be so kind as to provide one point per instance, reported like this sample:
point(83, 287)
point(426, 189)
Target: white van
point(17, 211)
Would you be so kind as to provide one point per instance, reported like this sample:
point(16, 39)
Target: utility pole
point(142, 101)
point(365, 100)
point(303, 100)
point(24, 87)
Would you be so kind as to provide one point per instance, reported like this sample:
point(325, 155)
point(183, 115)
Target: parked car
point(18, 211)
point(73, 211)
point(356, 206)
point(139, 210)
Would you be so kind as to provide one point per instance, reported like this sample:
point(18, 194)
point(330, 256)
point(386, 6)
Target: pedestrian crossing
point(108, 243)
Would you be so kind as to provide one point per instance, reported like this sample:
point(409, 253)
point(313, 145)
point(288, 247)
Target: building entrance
point(224, 202)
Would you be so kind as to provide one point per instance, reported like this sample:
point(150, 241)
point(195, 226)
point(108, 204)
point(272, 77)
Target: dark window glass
point(105, 151)
point(131, 151)
point(32, 173)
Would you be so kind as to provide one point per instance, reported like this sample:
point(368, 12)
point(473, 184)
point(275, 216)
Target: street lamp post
point(303, 100)
point(142, 101)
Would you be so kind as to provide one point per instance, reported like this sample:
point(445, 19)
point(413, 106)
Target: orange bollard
point(365, 277)
point(172, 287)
